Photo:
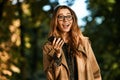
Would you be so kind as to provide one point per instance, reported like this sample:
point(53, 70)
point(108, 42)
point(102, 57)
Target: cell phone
point(51, 38)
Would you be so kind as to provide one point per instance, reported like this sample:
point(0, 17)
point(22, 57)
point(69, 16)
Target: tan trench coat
point(87, 65)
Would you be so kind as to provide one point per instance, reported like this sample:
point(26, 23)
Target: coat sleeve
point(92, 61)
point(50, 62)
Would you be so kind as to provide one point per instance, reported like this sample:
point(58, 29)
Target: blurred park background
point(24, 26)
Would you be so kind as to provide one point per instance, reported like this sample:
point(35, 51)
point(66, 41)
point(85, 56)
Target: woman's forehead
point(64, 11)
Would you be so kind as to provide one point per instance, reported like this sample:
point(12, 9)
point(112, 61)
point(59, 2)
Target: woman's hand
point(57, 45)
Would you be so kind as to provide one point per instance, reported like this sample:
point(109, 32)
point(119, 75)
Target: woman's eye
point(69, 16)
point(60, 16)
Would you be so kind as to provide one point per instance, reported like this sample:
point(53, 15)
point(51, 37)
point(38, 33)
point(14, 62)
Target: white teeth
point(65, 24)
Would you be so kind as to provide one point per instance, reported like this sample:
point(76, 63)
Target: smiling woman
point(80, 8)
point(67, 55)
point(64, 20)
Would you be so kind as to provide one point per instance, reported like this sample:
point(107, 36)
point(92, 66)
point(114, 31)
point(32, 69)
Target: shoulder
point(84, 39)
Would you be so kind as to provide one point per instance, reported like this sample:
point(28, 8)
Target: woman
point(67, 55)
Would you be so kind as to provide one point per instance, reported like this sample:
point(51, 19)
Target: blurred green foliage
point(103, 29)
point(24, 27)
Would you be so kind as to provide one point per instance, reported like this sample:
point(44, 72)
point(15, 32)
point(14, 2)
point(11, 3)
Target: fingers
point(57, 43)
point(54, 41)
point(61, 43)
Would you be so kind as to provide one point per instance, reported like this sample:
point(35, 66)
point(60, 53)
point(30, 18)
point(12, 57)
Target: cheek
point(71, 22)
point(59, 24)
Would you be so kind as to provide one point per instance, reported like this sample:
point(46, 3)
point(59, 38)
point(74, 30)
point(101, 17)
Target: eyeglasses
point(61, 17)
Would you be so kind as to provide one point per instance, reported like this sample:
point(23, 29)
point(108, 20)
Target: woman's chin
point(67, 30)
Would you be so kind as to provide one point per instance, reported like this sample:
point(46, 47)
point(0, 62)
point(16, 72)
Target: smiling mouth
point(66, 25)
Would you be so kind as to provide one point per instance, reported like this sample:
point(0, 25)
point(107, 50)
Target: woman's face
point(65, 20)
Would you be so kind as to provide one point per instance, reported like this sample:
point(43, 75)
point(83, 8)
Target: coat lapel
point(64, 62)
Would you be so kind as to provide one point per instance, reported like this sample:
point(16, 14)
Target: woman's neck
point(65, 37)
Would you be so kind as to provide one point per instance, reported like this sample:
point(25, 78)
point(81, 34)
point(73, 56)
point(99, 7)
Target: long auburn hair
point(74, 32)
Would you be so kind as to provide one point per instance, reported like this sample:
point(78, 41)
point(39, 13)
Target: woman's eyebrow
point(62, 13)
point(68, 13)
